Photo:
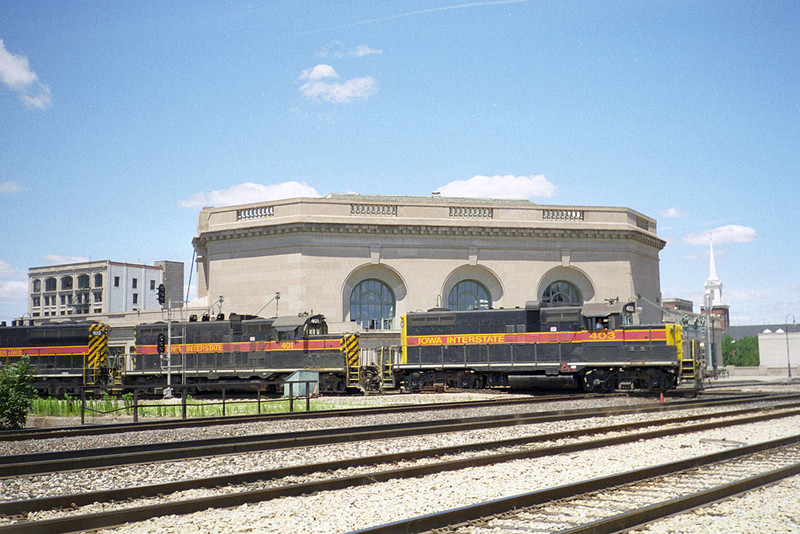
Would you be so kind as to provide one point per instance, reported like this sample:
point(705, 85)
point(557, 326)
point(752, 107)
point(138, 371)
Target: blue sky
point(120, 120)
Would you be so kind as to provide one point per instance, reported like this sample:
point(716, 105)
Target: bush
point(16, 394)
point(741, 353)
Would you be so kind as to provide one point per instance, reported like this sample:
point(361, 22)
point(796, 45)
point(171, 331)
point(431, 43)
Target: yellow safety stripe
point(98, 345)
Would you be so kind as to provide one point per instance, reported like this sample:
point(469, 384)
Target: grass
point(108, 405)
point(70, 406)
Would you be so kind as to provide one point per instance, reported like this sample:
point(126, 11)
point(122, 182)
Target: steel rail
point(464, 514)
point(116, 517)
point(116, 428)
point(677, 505)
point(48, 462)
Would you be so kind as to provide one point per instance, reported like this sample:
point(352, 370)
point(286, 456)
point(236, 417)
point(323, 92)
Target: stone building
point(101, 287)
point(363, 261)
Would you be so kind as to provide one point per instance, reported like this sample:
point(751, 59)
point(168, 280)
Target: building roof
point(738, 332)
point(432, 198)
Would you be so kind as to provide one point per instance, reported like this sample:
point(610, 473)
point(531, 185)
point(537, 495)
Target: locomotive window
point(562, 293)
point(436, 320)
point(469, 295)
point(288, 335)
point(561, 316)
point(317, 329)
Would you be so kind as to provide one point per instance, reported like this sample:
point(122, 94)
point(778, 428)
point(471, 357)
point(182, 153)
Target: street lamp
point(788, 359)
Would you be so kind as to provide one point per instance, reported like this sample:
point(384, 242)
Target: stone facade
point(98, 288)
point(314, 252)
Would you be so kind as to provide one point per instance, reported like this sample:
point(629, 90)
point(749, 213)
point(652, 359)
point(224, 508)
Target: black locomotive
point(595, 347)
point(64, 356)
point(244, 348)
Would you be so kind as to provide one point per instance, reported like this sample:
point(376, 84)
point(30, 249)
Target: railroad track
point(370, 476)
point(618, 502)
point(117, 428)
point(49, 462)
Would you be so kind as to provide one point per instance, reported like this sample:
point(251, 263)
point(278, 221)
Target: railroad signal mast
point(161, 294)
point(164, 343)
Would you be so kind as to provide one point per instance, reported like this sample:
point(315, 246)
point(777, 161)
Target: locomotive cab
point(607, 316)
point(293, 328)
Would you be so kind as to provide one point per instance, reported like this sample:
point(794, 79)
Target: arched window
point(98, 280)
point(372, 305)
point(37, 286)
point(469, 295)
point(50, 284)
point(66, 283)
point(83, 281)
point(562, 293)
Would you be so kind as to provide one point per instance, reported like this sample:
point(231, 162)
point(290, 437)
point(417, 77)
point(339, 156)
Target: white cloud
point(8, 272)
point(318, 72)
point(247, 193)
point(340, 93)
point(337, 49)
point(364, 50)
point(17, 75)
point(14, 70)
point(56, 259)
point(15, 292)
point(10, 187)
point(41, 100)
point(732, 233)
point(672, 213)
point(508, 186)
point(13, 288)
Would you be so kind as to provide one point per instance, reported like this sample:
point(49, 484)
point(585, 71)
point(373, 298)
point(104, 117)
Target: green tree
point(16, 394)
point(741, 353)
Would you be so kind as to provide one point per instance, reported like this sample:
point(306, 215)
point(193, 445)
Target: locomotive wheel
point(477, 382)
point(598, 381)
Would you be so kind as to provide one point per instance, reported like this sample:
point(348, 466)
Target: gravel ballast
point(359, 507)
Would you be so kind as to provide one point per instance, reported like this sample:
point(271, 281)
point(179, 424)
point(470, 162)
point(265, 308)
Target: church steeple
point(713, 295)
point(713, 284)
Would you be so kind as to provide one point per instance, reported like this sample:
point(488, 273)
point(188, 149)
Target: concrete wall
point(772, 351)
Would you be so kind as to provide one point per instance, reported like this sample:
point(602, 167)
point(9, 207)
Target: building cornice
point(431, 230)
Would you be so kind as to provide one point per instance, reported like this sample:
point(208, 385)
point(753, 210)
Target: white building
point(779, 351)
point(100, 287)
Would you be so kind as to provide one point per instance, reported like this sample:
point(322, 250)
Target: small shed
point(299, 389)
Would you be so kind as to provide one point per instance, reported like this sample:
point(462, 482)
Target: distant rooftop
point(738, 332)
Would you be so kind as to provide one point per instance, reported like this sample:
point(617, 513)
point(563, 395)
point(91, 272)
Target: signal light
point(161, 343)
point(161, 294)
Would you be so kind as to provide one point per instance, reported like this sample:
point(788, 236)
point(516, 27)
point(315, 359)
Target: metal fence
point(135, 401)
